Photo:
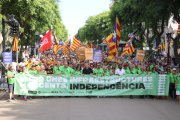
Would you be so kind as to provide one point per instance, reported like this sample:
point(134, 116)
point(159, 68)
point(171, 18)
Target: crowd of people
point(70, 65)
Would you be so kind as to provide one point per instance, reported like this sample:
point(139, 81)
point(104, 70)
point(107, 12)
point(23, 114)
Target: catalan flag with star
point(128, 49)
point(117, 31)
point(112, 46)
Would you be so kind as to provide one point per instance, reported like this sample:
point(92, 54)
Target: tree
point(142, 15)
point(149, 17)
point(35, 16)
point(96, 27)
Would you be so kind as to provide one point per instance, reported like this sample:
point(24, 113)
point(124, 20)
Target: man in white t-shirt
point(120, 70)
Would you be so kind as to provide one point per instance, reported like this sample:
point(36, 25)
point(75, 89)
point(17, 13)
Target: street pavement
point(78, 108)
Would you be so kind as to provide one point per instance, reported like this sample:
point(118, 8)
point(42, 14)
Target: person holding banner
point(108, 71)
point(173, 78)
point(11, 79)
point(99, 71)
point(55, 68)
point(120, 70)
point(87, 70)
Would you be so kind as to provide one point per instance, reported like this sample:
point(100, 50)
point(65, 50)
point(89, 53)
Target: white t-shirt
point(120, 72)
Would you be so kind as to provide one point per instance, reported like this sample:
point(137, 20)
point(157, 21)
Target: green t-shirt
point(108, 72)
point(99, 72)
point(12, 79)
point(33, 72)
point(68, 71)
point(78, 73)
point(61, 69)
point(173, 78)
point(127, 70)
point(178, 84)
point(151, 67)
point(144, 73)
point(134, 71)
point(55, 70)
point(139, 71)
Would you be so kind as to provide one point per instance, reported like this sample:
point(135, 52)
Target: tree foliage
point(35, 16)
point(96, 27)
point(149, 17)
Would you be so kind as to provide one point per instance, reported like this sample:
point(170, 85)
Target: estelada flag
point(15, 44)
point(46, 42)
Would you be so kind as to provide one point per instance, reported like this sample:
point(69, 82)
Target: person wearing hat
point(11, 79)
point(172, 79)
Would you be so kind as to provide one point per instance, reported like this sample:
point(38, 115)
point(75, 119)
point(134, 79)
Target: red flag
point(46, 42)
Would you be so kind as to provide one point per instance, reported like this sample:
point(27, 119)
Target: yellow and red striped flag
point(118, 31)
point(56, 48)
point(112, 46)
point(75, 44)
point(15, 44)
point(109, 39)
point(128, 49)
point(65, 50)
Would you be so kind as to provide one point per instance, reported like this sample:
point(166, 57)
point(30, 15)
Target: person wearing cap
point(172, 79)
point(11, 79)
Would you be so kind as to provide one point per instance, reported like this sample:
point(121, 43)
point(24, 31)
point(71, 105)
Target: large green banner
point(89, 85)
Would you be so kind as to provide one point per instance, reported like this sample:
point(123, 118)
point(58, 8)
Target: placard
point(7, 57)
point(97, 56)
point(89, 53)
point(140, 55)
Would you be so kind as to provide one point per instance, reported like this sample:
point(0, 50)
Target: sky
point(74, 13)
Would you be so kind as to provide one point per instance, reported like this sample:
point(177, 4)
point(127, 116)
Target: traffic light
point(14, 25)
point(14, 29)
